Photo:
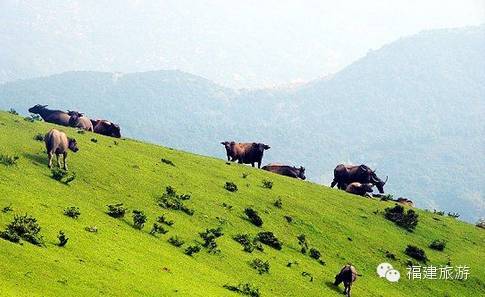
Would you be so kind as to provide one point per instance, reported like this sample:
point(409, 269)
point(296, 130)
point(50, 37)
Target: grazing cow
point(56, 142)
point(346, 174)
point(405, 201)
point(78, 120)
point(247, 153)
point(290, 171)
point(107, 128)
point(51, 116)
point(359, 189)
point(347, 275)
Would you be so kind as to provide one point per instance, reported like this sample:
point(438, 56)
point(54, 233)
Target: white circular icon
point(393, 275)
point(383, 268)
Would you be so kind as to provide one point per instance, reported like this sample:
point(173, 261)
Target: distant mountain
point(414, 109)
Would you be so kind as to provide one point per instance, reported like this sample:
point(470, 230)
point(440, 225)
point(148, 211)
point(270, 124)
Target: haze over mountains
point(414, 109)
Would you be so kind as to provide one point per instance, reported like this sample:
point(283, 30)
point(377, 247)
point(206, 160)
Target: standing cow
point(346, 174)
point(51, 116)
point(347, 275)
point(107, 128)
point(357, 188)
point(78, 120)
point(285, 170)
point(56, 142)
point(247, 153)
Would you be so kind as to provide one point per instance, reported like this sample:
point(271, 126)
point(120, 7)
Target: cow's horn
point(387, 177)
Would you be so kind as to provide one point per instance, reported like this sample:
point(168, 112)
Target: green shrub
point(454, 215)
point(39, 137)
point(438, 245)
point(387, 197)
point(268, 238)
point(278, 203)
point(73, 212)
point(303, 243)
point(315, 254)
point(230, 186)
point(246, 241)
point(170, 200)
point(244, 289)
point(260, 266)
point(94, 140)
point(158, 229)
point(7, 209)
point(162, 220)
point(192, 249)
point(62, 175)
point(139, 219)
point(23, 227)
point(416, 253)
point(175, 241)
point(8, 160)
point(116, 210)
point(440, 213)
point(407, 220)
point(245, 175)
point(167, 161)
point(209, 236)
point(289, 219)
point(13, 111)
point(253, 217)
point(267, 184)
point(62, 239)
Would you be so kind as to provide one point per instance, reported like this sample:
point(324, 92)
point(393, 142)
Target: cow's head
point(72, 144)
point(378, 182)
point(76, 114)
point(367, 187)
point(261, 147)
point(115, 130)
point(228, 144)
point(37, 108)
point(301, 173)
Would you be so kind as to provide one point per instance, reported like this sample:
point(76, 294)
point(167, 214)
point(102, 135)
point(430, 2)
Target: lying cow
point(107, 128)
point(58, 117)
point(78, 120)
point(56, 142)
point(285, 170)
point(360, 189)
point(347, 275)
point(247, 153)
point(346, 174)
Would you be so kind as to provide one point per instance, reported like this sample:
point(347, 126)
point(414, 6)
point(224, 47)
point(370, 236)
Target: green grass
point(120, 260)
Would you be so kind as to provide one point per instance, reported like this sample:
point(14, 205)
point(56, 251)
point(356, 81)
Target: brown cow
point(107, 128)
point(285, 170)
point(347, 275)
point(247, 153)
point(78, 120)
point(359, 189)
point(58, 117)
point(405, 201)
point(346, 174)
point(56, 142)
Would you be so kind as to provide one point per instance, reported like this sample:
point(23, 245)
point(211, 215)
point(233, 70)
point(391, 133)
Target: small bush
point(162, 220)
point(253, 217)
point(13, 111)
point(307, 274)
point(62, 175)
point(62, 239)
point(167, 161)
point(267, 184)
point(244, 289)
point(170, 200)
point(8, 160)
point(278, 203)
point(94, 140)
point(7, 209)
point(260, 266)
point(289, 219)
point(92, 229)
point(23, 227)
point(440, 213)
point(81, 131)
point(192, 249)
point(39, 137)
point(416, 253)
point(407, 220)
point(139, 219)
point(454, 215)
point(268, 238)
point(387, 197)
point(438, 245)
point(116, 210)
point(209, 236)
point(72, 212)
point(158, 229)
point(390, 255)
point(245, 175)
point(230, 186)
point(248, 243)
point(303, 243)
point(315, 254)
point(175, 241)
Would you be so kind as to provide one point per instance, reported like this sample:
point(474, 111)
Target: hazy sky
point(235, 43)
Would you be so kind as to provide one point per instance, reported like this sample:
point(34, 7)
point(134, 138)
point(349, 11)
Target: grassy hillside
point(120, 260)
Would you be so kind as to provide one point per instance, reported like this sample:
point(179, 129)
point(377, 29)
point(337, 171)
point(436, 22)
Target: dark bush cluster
point(8, 160)
point(72, 212)
point(209, 237)
point(175, 241)
point(39, 137)
point(416, 253)
point(94, 140)
point(439, 212)
point(267, 184)
point(62, 239)
point(13, 111)
point(438, 245)
point(303, 243)
point(192, 249)
point(315, 254)
point(139, 219)
point(387, 197)
point(253, 217)
point(23, 227)
point(163, 220)
point(158, 229)
point(260, 266)
point(407, 220)
point(244, 289)
point(7, 209)
point(171, 200)
point(454, 215)
point(116, 210)
point(167, 161)
point(248, 243)
point(278, 203)
point(289, 219)
point(230, 186)
point(62, 175)
point(268, 238)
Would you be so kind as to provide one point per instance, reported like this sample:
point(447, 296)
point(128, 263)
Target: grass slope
point(120, 260)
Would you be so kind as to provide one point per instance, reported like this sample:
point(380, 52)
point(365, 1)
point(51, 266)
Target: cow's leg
point(334, 182)
point(58, 161)
point(50, 159)
point(252, 164)
point(348, 290)
point(65, 159)
point(259, 164)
